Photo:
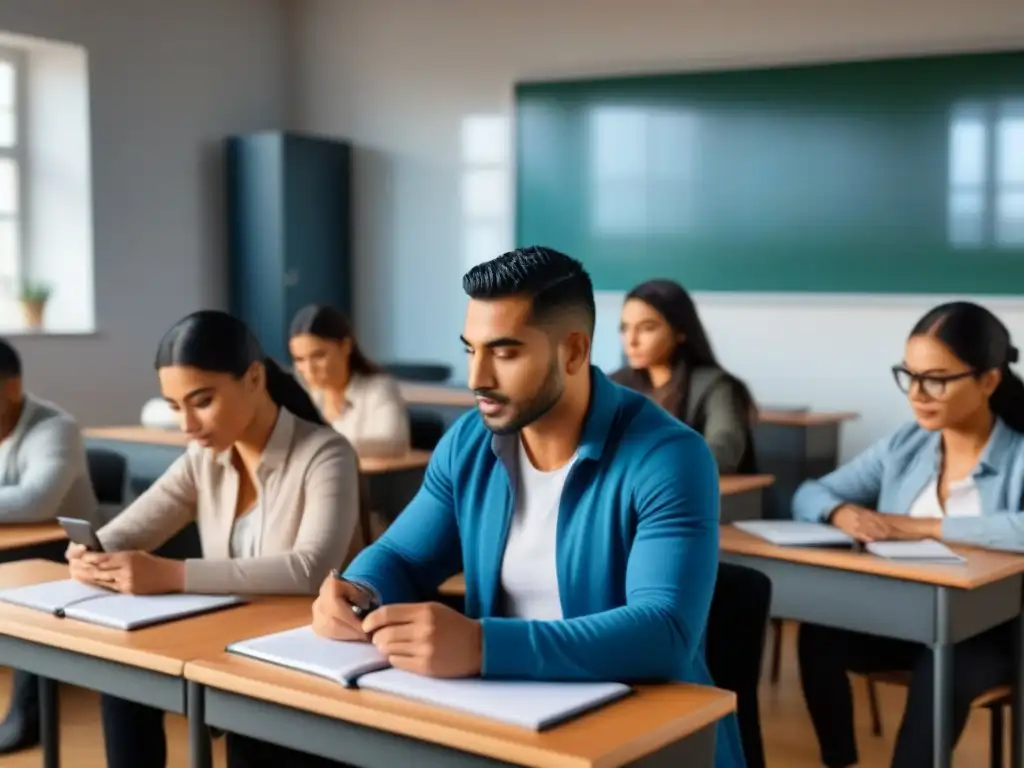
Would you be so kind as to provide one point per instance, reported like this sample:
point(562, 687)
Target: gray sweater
point(43, 469)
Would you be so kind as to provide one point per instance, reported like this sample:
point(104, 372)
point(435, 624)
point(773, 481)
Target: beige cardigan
point(376, 420)
point(309, 492)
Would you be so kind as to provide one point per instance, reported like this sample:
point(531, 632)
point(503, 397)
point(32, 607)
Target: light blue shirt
point(893, 472)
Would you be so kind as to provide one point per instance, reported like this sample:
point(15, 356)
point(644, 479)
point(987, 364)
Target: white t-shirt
point(529, 574)
point(963, 500)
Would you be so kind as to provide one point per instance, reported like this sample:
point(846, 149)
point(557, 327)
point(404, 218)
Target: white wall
point(168, 81)
point(400, 77)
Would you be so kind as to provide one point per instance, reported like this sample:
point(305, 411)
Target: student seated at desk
point(43, 474)
point(955, 473)
point(671, 361)
point(273, 490)
point(584, 516)
point(355, 397)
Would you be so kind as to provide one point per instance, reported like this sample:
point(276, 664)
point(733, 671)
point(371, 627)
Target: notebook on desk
point(795, 533)
point(532, 704)
point(71, 599)
point(923, 551)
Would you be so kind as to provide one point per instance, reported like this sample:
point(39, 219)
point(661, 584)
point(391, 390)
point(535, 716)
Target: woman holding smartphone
point(272, 489)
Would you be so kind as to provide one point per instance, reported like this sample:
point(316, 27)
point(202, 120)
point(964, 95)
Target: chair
point(995, 700)
point(737, 625)
point(432, 372)
point(425, 430)
point(108, 471)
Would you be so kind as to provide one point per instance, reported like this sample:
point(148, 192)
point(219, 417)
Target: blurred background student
point(671, 361)
point(354, 395)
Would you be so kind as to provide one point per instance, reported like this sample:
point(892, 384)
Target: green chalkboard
point(902, 176)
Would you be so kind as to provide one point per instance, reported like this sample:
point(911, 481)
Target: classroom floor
point(789, 741)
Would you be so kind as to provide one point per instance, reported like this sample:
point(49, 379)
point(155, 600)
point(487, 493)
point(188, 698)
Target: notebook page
point(530, 704)
point(302, 650)
point(925, 550)
point(137, 611)
point(52, 596)
point(795, 533)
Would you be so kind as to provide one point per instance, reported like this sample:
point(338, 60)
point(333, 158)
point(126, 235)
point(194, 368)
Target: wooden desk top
point(455, 396)
point(28, 535)
point(983, 566)
point(730, 484)
point(615, 735)
point(163, 648)
point(172, 437)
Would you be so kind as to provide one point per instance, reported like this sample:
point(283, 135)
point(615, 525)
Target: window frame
point(20, 156)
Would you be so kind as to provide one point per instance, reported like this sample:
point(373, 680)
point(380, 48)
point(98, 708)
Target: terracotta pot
point(32, 312)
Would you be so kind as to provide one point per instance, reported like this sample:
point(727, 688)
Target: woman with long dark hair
point(272, 489)
point(956, 472)
point(671, 361)
point(354, 395)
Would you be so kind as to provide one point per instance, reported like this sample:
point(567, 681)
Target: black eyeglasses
point(931, 384)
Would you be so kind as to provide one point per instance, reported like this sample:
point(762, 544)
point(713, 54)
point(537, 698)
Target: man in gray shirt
point(43, 474)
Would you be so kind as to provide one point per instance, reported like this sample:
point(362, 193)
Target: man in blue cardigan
point(584, 517)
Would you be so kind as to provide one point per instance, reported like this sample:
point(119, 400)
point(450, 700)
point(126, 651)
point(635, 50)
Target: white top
point(963, 500)
point(375, 418)
point(245, 533)
point(529, 576)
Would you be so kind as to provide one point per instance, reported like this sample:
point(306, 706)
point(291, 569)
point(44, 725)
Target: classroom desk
point(31, 540)
point(390, 483)
point(936, 605)
point(145, 665)
point(793, 445)
point(656, 727)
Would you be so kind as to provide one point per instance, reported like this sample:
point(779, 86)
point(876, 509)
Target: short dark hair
point(557, 284)
point(10, 361)
point(217, 342)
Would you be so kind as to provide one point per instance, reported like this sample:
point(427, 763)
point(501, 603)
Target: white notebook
point(337, 660)
point(532, 704)
point(73, 600)
point(796, 533)
point(923, 551)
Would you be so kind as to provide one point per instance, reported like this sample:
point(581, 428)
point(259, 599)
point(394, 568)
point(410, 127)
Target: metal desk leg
point(1017, 707)
point(49, 722)
point(200, 751)
point(942, 685)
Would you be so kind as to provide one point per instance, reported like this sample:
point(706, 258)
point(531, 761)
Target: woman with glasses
point(955, 473)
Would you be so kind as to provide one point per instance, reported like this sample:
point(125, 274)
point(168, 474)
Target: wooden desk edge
point(737, 542)
point(494, 739)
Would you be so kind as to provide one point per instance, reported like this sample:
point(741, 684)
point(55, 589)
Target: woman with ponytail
point(955, 473)
point(272, 489)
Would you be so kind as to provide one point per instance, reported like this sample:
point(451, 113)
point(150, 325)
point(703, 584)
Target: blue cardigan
point(893, 472)
point(637, 549)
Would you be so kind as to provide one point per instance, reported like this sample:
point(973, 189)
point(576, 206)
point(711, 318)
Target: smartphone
point(81, 532)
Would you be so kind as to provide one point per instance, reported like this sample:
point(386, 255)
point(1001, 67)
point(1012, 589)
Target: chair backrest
point(425, 430)
point(108, 471)
point(737, 628)
point(434, 372)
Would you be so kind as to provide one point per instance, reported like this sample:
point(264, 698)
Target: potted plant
point(33, 297)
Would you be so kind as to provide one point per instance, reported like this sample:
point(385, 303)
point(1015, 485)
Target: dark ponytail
point(288, 393)
point(217, 342)
point(979, 339)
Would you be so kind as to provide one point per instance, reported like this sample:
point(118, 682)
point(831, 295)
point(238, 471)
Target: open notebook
point(527, 703)
point(74, 600)
point(795, 533)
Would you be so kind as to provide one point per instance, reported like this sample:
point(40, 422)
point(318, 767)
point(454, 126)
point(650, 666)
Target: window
point(485, 188)
point(643, 164)
point(12, 164)
point(986, 176)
